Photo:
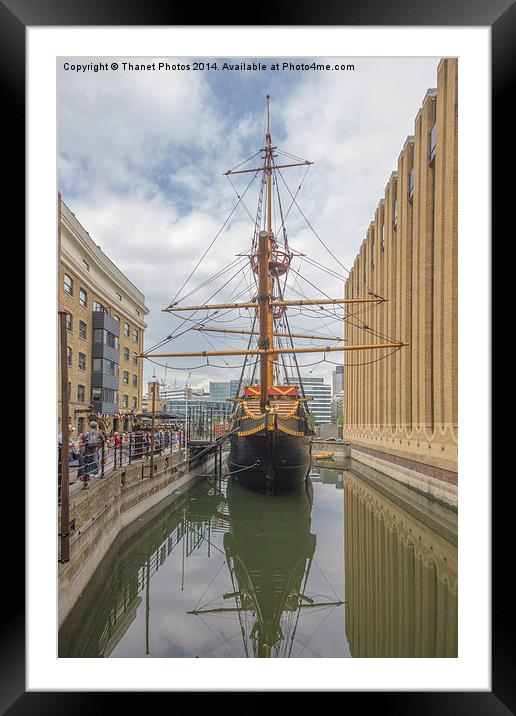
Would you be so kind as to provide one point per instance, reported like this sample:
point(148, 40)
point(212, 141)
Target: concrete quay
point(100, 513)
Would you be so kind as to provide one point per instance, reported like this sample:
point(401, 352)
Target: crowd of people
point(94, 451)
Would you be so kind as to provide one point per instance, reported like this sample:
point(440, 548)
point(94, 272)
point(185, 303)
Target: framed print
point(179, 534)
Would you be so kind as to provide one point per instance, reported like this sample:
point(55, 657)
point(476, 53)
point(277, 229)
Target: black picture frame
point(15, 17)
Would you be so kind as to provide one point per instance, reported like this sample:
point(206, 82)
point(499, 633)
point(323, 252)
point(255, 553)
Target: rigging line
point(190, 318)
point(315, 312)
point(288, 154)
point(295, 195)
point(305, 646)
point(356, 283)
point(348, 365)
point(234, 263)
point(311, 227)
point(310, 648)
point(245, 361)
point(215, 635)
point(196, 367)
point(292, 345)
point(329, 271)
point(209, 585)
point(253, 219)
point(213, 241)
point(245, 161)
point(327, 581)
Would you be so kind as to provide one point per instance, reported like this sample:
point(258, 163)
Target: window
point(96, 395)
point(126, 377)
point(126, 329)
point(135, 381)
point(395, 214)
point(126, 353)
point(135, 359)
point(125, 401)
point(103, 365)
point(134, 403)
point(100, 335)
point(411, 184)
point(135, 335)
point(97, 306)
point(82, 361)
point(382, 238)
point(69, 355)
point(80, 393)
point(69, 322)
point(83, 330)
point(68, 284)
point(83, 297)
point(80, 425)
point(432, 141)
point(86, 265)
point(117, 318)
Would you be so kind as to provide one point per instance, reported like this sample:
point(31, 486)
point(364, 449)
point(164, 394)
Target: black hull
point(270, 461)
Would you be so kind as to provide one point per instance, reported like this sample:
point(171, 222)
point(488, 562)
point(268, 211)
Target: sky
point(141, 156)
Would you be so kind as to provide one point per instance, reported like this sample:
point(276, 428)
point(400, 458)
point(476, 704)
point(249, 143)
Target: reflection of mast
point(269, 551)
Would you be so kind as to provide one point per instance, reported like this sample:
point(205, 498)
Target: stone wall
point(98, 514)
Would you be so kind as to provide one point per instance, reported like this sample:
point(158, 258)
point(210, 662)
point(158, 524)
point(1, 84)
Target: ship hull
point(270, 461)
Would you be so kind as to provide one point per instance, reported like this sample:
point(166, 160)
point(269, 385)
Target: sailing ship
point(271, 430)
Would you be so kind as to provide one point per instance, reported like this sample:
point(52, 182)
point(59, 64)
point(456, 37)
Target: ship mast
point(265, 280)
point(269, 262)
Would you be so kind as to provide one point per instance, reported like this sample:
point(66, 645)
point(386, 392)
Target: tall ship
point(271, 428)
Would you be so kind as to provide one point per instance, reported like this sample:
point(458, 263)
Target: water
point(221, 571)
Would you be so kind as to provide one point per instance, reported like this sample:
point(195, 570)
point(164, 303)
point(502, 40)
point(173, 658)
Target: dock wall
point(100, 513)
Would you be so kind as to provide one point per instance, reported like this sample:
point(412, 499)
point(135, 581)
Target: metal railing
point(99, 458)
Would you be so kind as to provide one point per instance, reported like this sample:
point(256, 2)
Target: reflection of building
point(106, 323)
point(406, 405)
point(401, 576)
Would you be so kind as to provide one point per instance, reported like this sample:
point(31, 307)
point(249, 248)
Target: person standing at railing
point(139, 443)
point(92, 440)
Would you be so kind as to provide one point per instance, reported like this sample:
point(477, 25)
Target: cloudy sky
point(141, 158)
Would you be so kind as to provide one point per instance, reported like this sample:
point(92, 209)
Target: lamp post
point(154, 384)
point(186, 422)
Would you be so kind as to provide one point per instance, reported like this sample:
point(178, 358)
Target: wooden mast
point(265, 282)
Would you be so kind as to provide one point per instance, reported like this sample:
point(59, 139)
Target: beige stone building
point(403, 410)
point(106, 325)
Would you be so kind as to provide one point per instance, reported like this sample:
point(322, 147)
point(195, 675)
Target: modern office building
point(320, 398)
point(338, 380)
point(106, 325)
point(222, 390)
point(337, 407)
point(403, 410)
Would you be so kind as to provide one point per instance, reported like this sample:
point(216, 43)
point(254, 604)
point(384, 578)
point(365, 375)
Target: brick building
point(403, 409)
point(106, 324)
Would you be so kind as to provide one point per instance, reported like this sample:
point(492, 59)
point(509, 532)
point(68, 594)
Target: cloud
point(141, 157)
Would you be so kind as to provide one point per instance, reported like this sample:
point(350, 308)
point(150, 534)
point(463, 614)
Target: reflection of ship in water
point(401, 571)
point(266, 542)
point(269, 550)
